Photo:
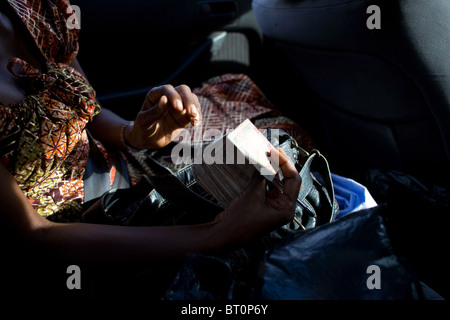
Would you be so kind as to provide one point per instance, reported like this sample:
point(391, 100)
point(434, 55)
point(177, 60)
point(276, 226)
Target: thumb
point(150, 114)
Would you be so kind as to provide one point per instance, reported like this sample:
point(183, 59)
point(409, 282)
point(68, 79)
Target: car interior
point(370, 118)
point(363, 111)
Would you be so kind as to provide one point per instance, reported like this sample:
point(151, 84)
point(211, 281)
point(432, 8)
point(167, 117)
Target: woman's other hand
point(165, 111)
point(257, 210)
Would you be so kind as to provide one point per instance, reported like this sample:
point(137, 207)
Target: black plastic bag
point(351, 258)
point(417, 221)
point(333, 261)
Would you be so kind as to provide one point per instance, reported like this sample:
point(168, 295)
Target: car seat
point(382, 89)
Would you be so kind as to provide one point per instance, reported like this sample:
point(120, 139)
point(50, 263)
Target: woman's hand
point(256, 210)
point(165, 111)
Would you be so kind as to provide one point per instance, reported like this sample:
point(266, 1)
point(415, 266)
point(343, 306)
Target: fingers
point(150, 112)
point(190, 103)
point(180, 99)
point(292, 180)
point(273, 192)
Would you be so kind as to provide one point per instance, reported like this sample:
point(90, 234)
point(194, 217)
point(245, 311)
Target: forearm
point(97, 244)
point(107, 127)
point(102, 244)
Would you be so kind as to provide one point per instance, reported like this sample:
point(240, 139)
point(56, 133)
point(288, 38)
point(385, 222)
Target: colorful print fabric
point(42, 138)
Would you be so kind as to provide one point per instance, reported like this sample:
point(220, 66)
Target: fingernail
point(178, 105)
point(194, 111)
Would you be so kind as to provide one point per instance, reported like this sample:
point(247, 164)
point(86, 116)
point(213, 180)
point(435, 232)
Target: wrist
point(125, 133)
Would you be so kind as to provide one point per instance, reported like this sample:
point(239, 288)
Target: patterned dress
point(43, 141)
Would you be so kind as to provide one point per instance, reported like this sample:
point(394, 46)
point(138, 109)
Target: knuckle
point(167, 87)
point(298, 179)
point(149, 93)
point(184, 87)
point(196, 98)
